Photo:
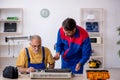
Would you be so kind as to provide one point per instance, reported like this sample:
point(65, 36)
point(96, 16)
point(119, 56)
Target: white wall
point(61, 9)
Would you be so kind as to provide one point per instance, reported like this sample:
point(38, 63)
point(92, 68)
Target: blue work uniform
point(36, 65)
point(75, 49)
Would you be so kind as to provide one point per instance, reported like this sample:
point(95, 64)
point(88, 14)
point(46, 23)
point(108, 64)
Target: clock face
point(44, 13)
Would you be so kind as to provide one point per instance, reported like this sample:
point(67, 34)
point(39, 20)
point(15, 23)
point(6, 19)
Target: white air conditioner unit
point(50, 75)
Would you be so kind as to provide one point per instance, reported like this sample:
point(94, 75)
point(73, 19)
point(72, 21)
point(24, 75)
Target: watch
point(45, 13)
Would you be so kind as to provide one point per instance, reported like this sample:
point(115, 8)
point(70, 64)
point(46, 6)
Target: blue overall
point(36, 65)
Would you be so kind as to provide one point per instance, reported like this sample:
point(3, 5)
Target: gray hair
point(35, 37)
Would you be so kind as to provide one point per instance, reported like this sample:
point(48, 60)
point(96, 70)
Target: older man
point(34, 57)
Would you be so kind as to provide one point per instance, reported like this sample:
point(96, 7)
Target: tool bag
point(10, 72)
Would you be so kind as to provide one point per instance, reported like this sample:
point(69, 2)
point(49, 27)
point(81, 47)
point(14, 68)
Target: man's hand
point(30, 69)
point(57, 56)
point(26, 70)
point(51, 66)
point(77, 67)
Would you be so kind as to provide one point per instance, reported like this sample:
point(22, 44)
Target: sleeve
point(58, 43)
point(22, 59)
point(86, 50)
point(50, 59)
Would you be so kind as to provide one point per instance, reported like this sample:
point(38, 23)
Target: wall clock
point(45, 13)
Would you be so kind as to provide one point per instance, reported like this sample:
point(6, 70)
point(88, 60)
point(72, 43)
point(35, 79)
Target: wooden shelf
point(95, 31)
point(10, 15)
